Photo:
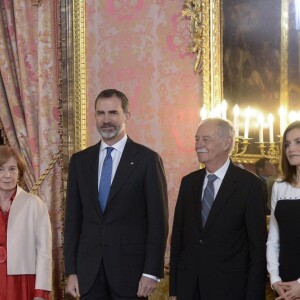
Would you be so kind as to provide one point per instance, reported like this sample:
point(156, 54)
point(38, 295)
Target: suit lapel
point(197, 195)
point(226, 189)
point(92, 165)
point(125, 167)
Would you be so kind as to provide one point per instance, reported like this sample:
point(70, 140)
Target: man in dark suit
point(219, 233)
point(267, 172)
point(114, 248)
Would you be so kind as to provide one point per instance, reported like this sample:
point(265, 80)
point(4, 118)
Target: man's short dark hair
point(114, 93)
point(260, 164)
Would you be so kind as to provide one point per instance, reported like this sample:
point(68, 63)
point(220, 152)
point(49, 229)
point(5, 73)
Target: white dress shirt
point(220, 173)
point(115, 155)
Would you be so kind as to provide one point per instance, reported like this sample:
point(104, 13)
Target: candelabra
point(248, 150)
point(270, 150)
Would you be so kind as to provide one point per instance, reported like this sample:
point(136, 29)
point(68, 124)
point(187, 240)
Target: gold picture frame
point(80, 139)
point(206, 32)
point(206, 29)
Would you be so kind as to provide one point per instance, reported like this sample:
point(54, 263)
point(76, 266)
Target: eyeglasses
point(10, 170)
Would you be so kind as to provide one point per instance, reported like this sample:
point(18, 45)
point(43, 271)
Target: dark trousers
point(197, 292)
point(101, 289)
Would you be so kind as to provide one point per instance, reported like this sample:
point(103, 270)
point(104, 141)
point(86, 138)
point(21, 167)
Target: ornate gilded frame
point(80, 140)
point(73, 78)
point(206, 32)
point(207, 35)
point(205, 28)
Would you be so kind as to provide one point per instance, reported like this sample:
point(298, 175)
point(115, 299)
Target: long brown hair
point(288, 171)
point(6, 153)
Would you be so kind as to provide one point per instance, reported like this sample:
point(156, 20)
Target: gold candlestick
point(240, 146)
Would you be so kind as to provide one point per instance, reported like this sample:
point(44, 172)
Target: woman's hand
point(291, 290)
point(278, 288)
point(38, 298)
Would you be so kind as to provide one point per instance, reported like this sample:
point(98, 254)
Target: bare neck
point(6, 195)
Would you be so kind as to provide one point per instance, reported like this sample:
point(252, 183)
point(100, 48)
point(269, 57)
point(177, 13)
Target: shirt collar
point(120, 145)
point(220, 173)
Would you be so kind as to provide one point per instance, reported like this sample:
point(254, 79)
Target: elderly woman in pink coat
point(25, 235)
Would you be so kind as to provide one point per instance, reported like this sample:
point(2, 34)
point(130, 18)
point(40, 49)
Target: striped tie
point(208, 197)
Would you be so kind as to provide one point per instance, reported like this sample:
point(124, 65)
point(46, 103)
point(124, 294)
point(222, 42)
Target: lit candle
point(292, 116)
point(271, 120)
point(213, 112)
point(282, 116)
point(203, 112)
point(247, 121)
point(218, 111)
point(236, 112)
point(224, 109)
point(261, 127)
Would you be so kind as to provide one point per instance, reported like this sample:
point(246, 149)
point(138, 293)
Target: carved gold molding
point(79, 74)
point(206, 54)
point(216, 50)
point(284, 94)
point(195, 10)
point(205, 29)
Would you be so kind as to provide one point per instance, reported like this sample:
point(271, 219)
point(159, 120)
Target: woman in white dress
point(283, 246)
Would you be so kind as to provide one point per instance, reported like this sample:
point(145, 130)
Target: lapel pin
point(131, 163)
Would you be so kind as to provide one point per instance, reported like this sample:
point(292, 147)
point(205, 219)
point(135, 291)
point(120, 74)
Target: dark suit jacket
point(265, 191)
point(130, 237)
point(226, 258)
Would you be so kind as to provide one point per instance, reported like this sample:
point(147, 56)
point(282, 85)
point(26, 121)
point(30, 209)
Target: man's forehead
point(207, 129)
point(105, 105)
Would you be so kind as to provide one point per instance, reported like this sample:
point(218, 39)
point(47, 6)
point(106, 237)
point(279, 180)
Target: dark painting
point(251, 53)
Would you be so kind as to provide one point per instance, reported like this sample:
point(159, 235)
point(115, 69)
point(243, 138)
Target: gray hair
point(225, 128)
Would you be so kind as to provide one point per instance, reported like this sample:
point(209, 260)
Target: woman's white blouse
point(280, 191)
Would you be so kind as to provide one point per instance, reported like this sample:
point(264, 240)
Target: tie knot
point(212, 177)
point(109, 150)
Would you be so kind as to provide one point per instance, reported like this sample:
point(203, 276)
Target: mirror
point(248, 53)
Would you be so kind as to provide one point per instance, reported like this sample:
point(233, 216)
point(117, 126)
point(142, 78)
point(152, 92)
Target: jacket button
point(201, 242)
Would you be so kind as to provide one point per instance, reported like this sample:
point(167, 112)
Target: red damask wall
point(139, 47)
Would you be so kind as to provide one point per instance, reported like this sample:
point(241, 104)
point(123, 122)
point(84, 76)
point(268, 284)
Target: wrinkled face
point(212, 150)
point(292, 146)
point(9, 175)
point(111, 119)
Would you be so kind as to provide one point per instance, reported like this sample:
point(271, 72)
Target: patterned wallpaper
point(139, 47)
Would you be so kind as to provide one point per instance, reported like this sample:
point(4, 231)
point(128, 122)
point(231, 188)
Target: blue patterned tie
point(105, 180)
point(208, 197)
